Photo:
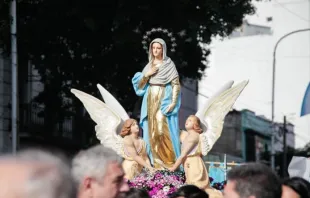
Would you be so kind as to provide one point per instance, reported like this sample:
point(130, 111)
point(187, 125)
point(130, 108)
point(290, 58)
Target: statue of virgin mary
point(159, 85)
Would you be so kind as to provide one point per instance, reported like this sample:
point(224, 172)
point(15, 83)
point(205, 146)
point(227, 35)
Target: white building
point(248, 54)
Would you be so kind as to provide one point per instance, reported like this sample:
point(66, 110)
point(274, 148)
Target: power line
point(279, 140)
point(294, 2)
point(295, 57)
point(192, 90)
point(244, 103)
point(257, 101)
point(293, 13)
point(301, 136)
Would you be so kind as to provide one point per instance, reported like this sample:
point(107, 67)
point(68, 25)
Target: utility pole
point(284, 167)
point(14, 74)
point(273, 93)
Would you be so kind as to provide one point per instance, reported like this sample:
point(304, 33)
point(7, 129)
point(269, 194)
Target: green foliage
point(81, 43)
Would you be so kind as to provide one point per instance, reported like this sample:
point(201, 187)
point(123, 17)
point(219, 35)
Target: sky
point(252, 58)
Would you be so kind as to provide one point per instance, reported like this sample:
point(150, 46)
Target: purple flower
point(155, 184)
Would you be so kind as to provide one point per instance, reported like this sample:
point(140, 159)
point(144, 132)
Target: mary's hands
point(151, 72)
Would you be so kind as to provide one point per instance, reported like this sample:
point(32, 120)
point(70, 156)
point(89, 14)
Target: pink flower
point(154, 184)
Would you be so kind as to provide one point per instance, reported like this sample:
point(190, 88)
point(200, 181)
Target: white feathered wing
point(213, 113)
point(113, 104)
point(106, 119)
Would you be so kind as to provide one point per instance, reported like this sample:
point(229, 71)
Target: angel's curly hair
point(196, 126)
point(126, 127)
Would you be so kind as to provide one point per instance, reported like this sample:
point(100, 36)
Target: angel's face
point(134, 128)
point(189, 124)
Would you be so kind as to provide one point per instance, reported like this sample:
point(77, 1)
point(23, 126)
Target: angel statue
point(203, 130)
point(109, 118)
point(159, 85)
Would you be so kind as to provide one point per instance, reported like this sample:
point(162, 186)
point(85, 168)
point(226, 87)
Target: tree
point(82, 43)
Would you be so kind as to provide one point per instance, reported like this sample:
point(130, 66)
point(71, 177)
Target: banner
point(305, 108)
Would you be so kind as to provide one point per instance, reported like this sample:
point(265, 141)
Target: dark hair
point(255, 179)
point(299, 185)
point(189, 191)
point(136, 193)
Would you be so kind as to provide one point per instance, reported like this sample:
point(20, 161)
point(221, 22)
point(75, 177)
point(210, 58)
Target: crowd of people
point(97, 173)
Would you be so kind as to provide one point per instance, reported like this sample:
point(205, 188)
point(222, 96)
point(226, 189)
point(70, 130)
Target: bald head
point(13, 177)
point(43, 176)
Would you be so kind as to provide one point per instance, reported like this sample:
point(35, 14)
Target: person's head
point(252, 180)
point(193, 123)
point(189, 191)
point(35, 174)
point(98, 173)
point(295, 187)
point(136, 193)
point(130, 126)
point(157, 49)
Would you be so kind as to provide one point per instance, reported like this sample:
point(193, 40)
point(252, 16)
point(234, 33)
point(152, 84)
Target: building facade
point(247, 137)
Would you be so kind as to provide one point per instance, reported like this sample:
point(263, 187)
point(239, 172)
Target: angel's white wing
point(107, 121)
point(113, 104)
point(200, 113)
point(214, 112)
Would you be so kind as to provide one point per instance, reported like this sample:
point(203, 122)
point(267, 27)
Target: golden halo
point(146, 38)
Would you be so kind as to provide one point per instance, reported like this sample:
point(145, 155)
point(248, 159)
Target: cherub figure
point(203, 130)
point(109, 117)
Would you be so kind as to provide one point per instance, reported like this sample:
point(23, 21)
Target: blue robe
point(172, 117)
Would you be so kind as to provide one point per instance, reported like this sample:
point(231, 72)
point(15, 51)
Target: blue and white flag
point(305, 108)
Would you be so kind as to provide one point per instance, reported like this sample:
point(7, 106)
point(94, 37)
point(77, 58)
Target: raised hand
point(151, 72)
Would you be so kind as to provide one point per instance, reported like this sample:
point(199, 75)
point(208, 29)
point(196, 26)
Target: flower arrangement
point(163, 183)
point(160, 184)
point(217, 185)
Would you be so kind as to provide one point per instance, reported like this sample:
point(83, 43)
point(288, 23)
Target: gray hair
point(92, 162)
point(50, 179)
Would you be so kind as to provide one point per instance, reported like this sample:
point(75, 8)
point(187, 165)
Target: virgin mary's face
point(157, 50)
